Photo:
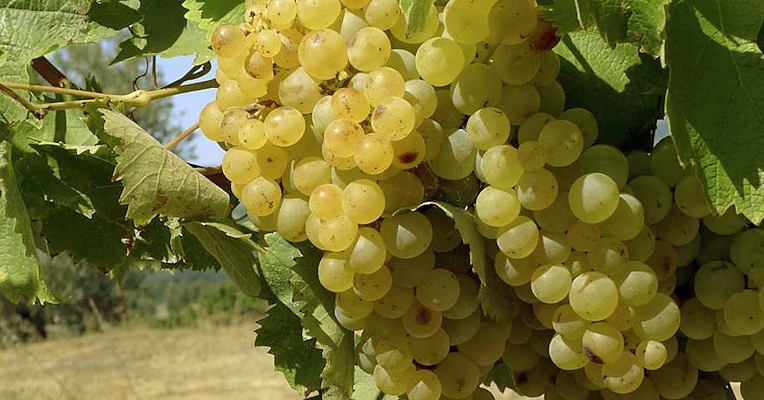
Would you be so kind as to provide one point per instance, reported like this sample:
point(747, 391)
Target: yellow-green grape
point(230, 95)
point(549, 69)
point(231, 123)
point(240, 165)
point(518, 239)
point(261, 196)
point(395, 303)
point(609, 256)
point(516, 64)
point(552, 98)
point(373, 154)
point(519, 102)
point(363, 201)
point(497, 207)
point(593, 197)
point(310, 173)
point(393, 118)
point(551, 283)
point(577, 263)
point(259, 67)
point(467, 302)
point(367, 253)
point(368, 49)
point(318, 14)
point(544, 314)
point(228, 41)
point(594, 296)
point(567, 354)
point(557, 217)
point(251, 87)
point(532, 126)
point(726, 224)
point(423, 385)
point(209, 122)
point(637, 284)
point(568, 323)
point(350, 104)
point(531, 156)
point(665, 165)
point(422, 97)
point(689, 197)
point(407, 235)
point(514, 272)
point(326, 201)
point(642, 246)
point(639, 163)
point(512, 21)
point(284, 126)
point(456, 158)
point(552, 248)
point(392, 351)
point(624, 375)
point(404, 62)
point(350, 24)
point(350, 323)
point(420, 321)
point(651, 354)
point(621, 318)
point(663, 260)
point(268, 43)
point(232, 66)
point(487, 346)
point(281, 12)
point(747, 249)
point(565, 385)
point(430, 350)
point(459, 377)
point(448, 237)
point(467, 21)
point(445, 113)
point(439, 291)
point(312, 227)
point(743, 313)
point(537, 190)
point(338, 233)
point(383, 83)
point(323, 115)
point(431, 25)
point(501, 166)
point(488, 127)
point(658, 319)
point(299, 90)
point(374, 286)
point(585, 121)
point(439, 61)
point(393, 382)
point(352, 305)
point(607, 160)
point(382, 14)
point(655, 196)
point(677, 228)
point(562, 142)
point(342, 136)
point(323, 53)
point(334, 274)
point(288, 56)
point(733, 349)
point(520, 357)
point(272, 161)
point(402, 190)
point(602, 343)
point(477, 86)
point(252, 134)
point(697, 321)
point(740, 372)
point(409, 273)
point(628, 219)
point(676, 379)
point(339, 163)
point(409, 151)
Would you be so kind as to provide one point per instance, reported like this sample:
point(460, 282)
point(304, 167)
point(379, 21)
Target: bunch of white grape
point(337, 122)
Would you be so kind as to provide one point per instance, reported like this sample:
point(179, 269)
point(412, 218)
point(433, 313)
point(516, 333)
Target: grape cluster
point(335, 118)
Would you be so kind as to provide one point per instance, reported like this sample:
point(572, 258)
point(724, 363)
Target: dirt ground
point(136, 364)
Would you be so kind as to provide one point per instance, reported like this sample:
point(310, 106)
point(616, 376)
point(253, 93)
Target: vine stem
point(177, 139)
point(138, 98)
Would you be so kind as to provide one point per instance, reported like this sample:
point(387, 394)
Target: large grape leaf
point(162, 29)
point(623, 89)
point(210, 13)
point(156, 181)
point(639, 22)
point(276, 265)
point(415, 12)
point(497, 299)
point(715, 101)
point(364, 388)
point(20, 274)
point(233, 250)
point(31, 28)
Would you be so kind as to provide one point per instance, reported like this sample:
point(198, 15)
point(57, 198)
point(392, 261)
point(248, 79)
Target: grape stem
point(138, 98)
point(181, 136)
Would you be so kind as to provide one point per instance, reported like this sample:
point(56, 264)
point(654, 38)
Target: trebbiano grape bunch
point(624, 284)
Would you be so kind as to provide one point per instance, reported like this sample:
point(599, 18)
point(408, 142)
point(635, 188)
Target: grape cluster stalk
point(620, 281)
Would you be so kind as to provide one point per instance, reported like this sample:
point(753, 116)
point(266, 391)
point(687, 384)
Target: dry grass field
point(137, 364)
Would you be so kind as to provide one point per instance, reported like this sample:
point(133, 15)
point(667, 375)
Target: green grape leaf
point(497, 299)
point(299, 360)
point(623, 89)
point(30, 29)
point(464, 222)
point(156, 181)
point(20, 274)
point(364, 387)
point(501, 376)
point(210, 13)
point(415, 12)
point(163, 30)
point(639, 22)
point(715, 100)
point(335, 342)
point(276, 265)
point(233, 250)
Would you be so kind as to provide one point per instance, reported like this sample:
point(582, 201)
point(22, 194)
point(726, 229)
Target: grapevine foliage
point(91, 182)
